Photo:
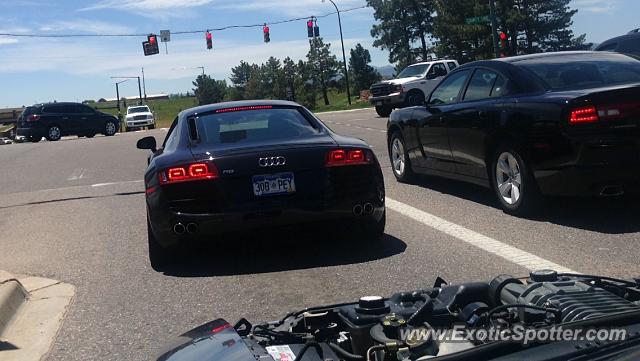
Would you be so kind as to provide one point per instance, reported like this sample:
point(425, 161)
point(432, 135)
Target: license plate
point(379, 103)
point(273, 184)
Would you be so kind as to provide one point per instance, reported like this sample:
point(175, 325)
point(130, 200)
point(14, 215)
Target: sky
point(34, 70)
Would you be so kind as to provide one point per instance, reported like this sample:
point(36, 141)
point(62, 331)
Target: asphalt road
point(74, 210)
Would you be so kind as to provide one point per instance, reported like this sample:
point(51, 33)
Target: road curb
point(31, 313)
point(12, 296)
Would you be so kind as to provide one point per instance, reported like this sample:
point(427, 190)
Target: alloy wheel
point(397, 157)
point(54, 133)
point(509, 178)
point(110, 129)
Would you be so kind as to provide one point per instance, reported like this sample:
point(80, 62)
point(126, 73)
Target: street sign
point(165, 36)
point(478, 20)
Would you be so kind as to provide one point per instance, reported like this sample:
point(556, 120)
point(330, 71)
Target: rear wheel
point(159, 257)
point(54, 133)
point(512, 182)
point(110, 129)
point(383, 111)
point(399, 157)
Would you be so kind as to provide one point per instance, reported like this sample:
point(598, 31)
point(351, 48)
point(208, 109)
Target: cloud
point(298, 7)
point(88, 26)
point(5, 41)
point(596, 6)
point(136, 5)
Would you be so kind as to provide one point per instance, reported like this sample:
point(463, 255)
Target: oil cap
point(544, 275)
point(372, 305)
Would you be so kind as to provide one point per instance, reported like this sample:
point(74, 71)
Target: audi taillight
point(189, 173)
point(33, 118)
point(342, 157)
point(581, 115)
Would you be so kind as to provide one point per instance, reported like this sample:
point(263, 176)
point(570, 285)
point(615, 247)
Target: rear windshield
point(28, 111)
point(582, 71)
point(253, 126)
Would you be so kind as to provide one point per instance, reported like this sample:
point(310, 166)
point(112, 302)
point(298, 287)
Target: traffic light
point(209, 38)
point(310, 28)
point(316, 31)
point(150, 47)
point(503, 44)
point(267, 36)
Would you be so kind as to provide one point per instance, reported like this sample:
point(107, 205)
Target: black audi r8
point(247, 165)
point(564, 123)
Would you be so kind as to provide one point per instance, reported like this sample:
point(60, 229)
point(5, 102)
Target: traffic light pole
point(139, 91)
point(344, 56)
point(494, 26)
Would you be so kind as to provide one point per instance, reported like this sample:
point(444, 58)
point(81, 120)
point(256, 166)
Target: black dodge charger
point(256, 164)
point(564, 123)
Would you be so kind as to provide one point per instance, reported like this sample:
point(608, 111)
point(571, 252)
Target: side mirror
point(147, 143)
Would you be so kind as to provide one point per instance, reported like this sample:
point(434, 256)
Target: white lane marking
point(356, 126)
point(77, 174)
point(344, 111)
point(115, 183)
point(509, 253)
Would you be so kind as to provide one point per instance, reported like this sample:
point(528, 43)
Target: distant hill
point(386, 71)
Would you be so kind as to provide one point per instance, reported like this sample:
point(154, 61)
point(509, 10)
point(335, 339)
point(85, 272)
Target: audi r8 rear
point(239, 166)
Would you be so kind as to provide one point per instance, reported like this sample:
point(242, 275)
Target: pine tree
point(361, 72)
point(208, 90)
point(323, 65)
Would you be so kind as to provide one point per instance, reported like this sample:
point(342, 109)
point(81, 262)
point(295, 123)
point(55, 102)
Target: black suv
point(54, 120)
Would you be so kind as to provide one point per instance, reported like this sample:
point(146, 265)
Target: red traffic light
point(503, 36)
point(209, 38)
point(152, 39)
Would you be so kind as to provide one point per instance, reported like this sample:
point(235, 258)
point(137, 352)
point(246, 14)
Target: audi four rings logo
point(272, 161)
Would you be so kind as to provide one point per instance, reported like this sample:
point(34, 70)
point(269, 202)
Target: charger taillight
point(33, 118)
point(342, 157)
point(189, 173)
point(581, 115)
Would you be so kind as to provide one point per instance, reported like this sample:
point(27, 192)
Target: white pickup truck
point(411, 87)
point(139, 117)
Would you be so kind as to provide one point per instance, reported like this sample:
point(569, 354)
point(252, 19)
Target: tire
point(371, 230)
point(153, 126)
point(399, 157)
point(54, 133)
point(110, 129)
point(415, 98)
point(159, 256)
point(513, 183)
point(384, 111)
point(35, 139)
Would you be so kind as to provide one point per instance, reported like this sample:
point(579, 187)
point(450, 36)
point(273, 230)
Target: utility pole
point(494, 30)
point(132, 77)
point(144, 85)
point(344, 56)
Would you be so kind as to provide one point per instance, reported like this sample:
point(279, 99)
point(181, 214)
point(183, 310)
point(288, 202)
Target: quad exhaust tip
point(357, 210)
point(368, 208)
point(179, 229)
point(192, 228)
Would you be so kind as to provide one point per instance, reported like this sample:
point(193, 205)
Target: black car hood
point(213, 341)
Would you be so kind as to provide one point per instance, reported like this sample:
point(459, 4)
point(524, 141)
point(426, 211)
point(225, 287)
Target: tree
point(290, 72)
point(362, 73)
point(531, 26)
point(208, 90)
point(401, 25)
point(323, 65)
point(273, 79)
point(240, 76)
